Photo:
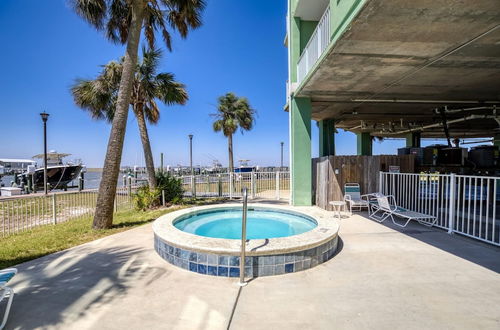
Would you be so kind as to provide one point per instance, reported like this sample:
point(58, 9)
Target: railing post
point(252, 182)
point(208, 185)
point(318, 36)
point(451, 210)
point(380, 178)
point(307, 62)
point(278, 185)
point(129, 186)
point(54, 209)
point(220, 185)
point(80, 182)
point(230, 185)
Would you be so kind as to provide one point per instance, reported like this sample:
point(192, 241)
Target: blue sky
point(239, 48)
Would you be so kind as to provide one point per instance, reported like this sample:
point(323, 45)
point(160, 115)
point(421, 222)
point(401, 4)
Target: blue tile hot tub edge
point(255, 266)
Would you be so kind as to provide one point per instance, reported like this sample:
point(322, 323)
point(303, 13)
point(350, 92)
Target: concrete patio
point(382, 277)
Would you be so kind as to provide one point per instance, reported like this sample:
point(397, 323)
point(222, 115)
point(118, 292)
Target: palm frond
point(93, 11)
point(233, 113)
point(184, 14)
point(170, 91)
point(99, 96)
point(120, 17)
point(152, 112)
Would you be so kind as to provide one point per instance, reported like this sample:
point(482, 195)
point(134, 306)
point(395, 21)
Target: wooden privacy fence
point(331, 173)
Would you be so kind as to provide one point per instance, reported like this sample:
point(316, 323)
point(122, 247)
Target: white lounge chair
point(353, 197)
point(372, 202)
point(5, 291)
point(387, 208)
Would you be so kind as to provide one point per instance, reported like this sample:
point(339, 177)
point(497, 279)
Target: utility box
point(485, 156)
point(452, 156)
point(10, 191)
point(430, 154)
point(403, 151)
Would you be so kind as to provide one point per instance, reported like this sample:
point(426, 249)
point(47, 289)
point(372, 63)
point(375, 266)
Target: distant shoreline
point(94, 169)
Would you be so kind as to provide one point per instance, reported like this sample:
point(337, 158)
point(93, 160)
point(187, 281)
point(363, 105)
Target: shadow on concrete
point(62, 287)
point(475, 251)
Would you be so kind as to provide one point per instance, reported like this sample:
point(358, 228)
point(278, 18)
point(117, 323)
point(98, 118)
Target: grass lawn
point(48, 239)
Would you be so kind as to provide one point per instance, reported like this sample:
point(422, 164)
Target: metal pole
point(161, 162)
point(191, 153)
point(191, 163)
point(45, 117)
point(281, 166)
point(243, 237)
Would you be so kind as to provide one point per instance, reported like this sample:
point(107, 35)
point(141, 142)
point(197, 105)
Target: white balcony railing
point(315, 46)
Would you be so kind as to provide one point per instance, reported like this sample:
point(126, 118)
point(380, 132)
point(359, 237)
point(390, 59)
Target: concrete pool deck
point(382, 277)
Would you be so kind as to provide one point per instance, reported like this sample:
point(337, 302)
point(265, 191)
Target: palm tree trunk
point(230, 147)
point(146, 146)
point(103, 217)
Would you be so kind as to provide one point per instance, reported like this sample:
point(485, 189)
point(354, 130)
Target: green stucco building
point(383, 69)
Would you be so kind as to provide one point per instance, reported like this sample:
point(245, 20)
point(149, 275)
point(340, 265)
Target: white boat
point(58, 173)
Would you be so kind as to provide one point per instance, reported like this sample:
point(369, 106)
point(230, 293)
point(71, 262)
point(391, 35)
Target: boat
point(244, 167)
point(59, 175)
point(11, 166)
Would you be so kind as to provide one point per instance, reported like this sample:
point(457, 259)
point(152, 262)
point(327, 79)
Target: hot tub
point(281, 239)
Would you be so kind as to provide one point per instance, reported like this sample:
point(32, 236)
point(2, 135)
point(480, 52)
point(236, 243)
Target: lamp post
point(191, 163)
point(282, 143)
point(191, 153)
point(45, 117)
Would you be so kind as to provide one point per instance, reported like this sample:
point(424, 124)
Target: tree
point(99, 97)
point(233, 112)
point(123, 21)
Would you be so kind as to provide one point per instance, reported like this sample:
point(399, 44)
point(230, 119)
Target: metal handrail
point(243, 236)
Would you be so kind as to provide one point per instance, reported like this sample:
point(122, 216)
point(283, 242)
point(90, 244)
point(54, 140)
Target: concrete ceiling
point(412, 56)
point(310, 10)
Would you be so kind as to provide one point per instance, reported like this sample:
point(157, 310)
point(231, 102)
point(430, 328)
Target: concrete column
point(364, 144)
point(496, 140)
point(326, 137)
point(300, 151)
point(413, 140)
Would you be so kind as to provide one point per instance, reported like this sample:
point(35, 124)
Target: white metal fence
point(468, 205)
point(25, 212)
point(268, 185)
point(315, 46)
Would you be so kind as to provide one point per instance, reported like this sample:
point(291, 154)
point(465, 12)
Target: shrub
point(172, 187)
point(145, 198)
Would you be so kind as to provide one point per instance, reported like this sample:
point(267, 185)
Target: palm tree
point(233, 112)
point(123, 21)
point(99, 96)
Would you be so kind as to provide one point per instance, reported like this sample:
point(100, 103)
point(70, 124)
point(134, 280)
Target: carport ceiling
point(401, 59)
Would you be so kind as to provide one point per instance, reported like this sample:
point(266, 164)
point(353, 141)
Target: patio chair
point(5, 291)
point(388, 208)
point(353, 197)
point(372, 202)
